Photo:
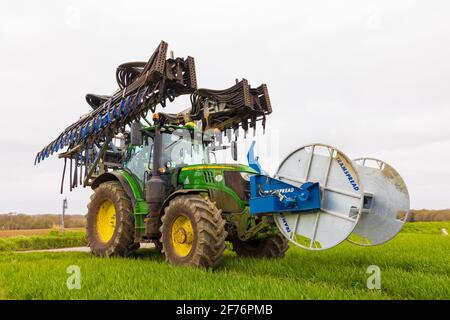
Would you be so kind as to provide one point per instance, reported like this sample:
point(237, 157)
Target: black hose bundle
point(239, 105)
point(142, 86)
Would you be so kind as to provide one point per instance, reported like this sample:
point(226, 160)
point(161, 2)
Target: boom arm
point(143, 86)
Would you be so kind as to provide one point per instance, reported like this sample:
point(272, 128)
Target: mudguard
point(127, 181)
point(181, 192)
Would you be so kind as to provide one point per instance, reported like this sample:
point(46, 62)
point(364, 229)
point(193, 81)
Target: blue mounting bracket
point(269, 195)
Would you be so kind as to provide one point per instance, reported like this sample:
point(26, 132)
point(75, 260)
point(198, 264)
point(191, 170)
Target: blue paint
point(269, 195)
point(252, 160)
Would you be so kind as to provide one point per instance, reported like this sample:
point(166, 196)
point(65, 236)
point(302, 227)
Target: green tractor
point(195, 205)
point(160, 182)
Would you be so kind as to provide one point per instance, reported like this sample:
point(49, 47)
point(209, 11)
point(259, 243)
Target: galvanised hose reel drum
point(365, 200)
point(389, 203)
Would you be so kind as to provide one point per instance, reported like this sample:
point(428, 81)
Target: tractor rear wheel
point(110, 221)
point(270, 247)
point(193, 232)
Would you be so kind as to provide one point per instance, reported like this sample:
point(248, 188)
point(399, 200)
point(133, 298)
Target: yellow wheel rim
point(182, 235)
point(106, 220)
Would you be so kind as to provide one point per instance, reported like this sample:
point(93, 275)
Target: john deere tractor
point(159, 181)
point(167, 191)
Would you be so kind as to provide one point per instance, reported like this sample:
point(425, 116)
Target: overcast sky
point(370, 77)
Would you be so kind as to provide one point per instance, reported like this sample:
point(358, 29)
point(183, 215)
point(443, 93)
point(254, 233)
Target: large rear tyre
point(272, 247)
point(110, 222)
point(193, 232)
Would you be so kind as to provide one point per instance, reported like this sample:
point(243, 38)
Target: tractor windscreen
point(181, 149)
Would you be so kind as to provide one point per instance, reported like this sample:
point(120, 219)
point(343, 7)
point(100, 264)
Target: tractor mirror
point(136, 134)
point(234, 152)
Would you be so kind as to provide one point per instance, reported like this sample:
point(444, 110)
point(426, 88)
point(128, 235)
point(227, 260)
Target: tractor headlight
point(246, 175)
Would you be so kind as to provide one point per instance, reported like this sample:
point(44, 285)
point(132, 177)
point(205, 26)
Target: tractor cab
point(180, 147)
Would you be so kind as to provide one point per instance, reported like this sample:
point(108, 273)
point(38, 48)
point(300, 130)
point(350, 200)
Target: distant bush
point(44, 221)
point(429, 215)
point(55, 239)
point(429, 227)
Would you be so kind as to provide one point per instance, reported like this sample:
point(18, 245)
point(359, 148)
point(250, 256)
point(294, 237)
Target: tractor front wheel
point(110, 221)
point(270, 247)
point(193, 232)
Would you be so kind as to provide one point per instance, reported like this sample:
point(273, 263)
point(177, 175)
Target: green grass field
point(415, 265)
